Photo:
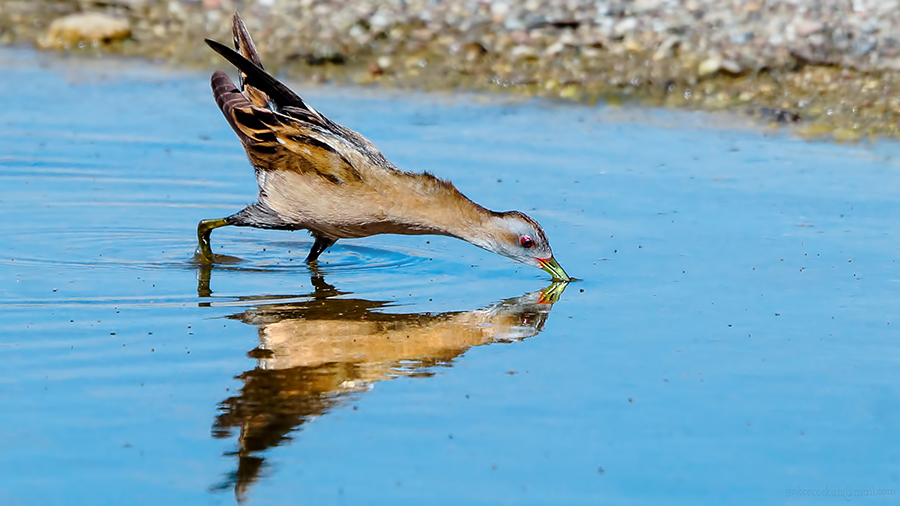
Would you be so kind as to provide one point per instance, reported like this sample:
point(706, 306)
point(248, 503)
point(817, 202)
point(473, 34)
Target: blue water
point(734, 338)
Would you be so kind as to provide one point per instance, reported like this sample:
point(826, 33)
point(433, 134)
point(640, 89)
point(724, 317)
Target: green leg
point(203, 230)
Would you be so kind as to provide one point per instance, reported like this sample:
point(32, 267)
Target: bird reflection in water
point(316, 354)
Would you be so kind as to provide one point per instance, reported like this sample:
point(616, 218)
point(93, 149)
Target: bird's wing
point(275, 141)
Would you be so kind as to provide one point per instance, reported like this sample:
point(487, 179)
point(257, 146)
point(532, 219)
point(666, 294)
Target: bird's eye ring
point(526, 241)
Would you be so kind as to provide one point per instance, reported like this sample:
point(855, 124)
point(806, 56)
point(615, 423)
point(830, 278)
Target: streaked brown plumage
point(316, 175)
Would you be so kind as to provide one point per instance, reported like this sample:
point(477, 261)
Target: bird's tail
point(244, 45)
point(256, 81)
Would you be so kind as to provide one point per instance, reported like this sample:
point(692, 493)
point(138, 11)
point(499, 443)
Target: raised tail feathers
point(281, 96)
point(243, 43)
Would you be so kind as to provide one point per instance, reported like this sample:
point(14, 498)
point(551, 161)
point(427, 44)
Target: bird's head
point(517, 236)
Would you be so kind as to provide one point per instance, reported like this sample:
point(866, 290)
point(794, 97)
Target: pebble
point(732, 66)
point(709, 66)
point(805, 27)
point(92, 27)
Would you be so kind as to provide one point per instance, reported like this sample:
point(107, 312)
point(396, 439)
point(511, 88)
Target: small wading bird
point(316, 175)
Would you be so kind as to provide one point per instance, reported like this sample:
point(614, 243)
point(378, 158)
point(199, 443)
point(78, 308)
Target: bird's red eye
point(526, 242)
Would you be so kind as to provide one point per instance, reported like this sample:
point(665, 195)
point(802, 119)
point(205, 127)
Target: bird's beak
point(556, 271)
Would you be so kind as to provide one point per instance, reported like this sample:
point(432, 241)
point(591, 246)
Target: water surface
point(733, 339)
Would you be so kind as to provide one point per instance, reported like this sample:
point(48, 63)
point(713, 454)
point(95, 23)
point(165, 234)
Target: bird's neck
point(467, 221)
point(428, 205)
point(461, 218)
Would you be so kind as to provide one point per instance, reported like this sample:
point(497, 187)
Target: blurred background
point(831, 63)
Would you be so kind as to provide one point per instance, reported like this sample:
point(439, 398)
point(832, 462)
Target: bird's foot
point(204, 254)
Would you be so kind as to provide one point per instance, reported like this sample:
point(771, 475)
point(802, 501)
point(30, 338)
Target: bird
point(317, 175)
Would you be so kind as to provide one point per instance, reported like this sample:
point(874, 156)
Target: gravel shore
point(828, 67)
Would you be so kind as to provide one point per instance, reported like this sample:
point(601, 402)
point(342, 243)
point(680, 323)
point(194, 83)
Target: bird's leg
point(204, 273)
point(323, 289)
point(321, 244)
point(203, 230)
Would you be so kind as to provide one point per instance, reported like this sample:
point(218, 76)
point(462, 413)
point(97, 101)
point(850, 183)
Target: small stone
point(647, 5)
point(863, 48)
point(806, 27)
point(87, 27)
point(731, 66)
point(379, 20)
point(421, 34)
point(665, 48)
point(554, 49)
point(709, 66)
point(624, 26)
point(741, 38)
point(523, 51)
point(499, 10)
point(633, 46)
point(520, 37)
point(357, 31)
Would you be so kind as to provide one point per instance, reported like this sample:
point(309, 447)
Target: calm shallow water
point(734, 338)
